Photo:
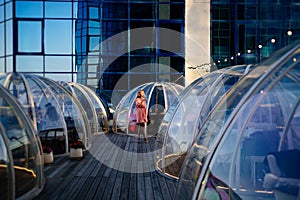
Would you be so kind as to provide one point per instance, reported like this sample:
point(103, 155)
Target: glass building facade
point(248, 31)
point(113, 64)
point(55, 39)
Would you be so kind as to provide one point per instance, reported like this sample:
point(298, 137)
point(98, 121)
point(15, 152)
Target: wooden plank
point(88, 178)
point(140, 187)
point(148, 188)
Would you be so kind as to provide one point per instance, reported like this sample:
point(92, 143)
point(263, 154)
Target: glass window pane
point(58, 64)
point(142, 11)
point(29, 9)
point(2, 39)
point(9, 39)
point(93, 13)
point(93, 43)
point(109, 9)
point(58, 9)
point(58, 36)
point(8, 10)
point(1, 13)
point(9, 64)
point(29, 36)
point(5, 167)
point(29, 63)
point(60, 77)
point(2, 67)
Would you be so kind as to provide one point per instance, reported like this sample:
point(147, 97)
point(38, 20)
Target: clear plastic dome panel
point(196, 102)
point(75, 117)
point(157, 105)
point(6, 169)
point(245, 149)
point(23, 145)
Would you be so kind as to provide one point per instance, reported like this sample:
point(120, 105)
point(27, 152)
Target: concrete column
point(197, 39)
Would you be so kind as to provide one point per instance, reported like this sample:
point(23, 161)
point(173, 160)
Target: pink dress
point(141, 114)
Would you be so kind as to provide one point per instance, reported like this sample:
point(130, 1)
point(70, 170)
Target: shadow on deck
point(116, 167)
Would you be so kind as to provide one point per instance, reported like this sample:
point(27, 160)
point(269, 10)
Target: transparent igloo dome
point(75, 117)
point(21, 161)
point(159, 95)
point(41, 106)
point(186, 115)
point(248, 148)
point(93, 105)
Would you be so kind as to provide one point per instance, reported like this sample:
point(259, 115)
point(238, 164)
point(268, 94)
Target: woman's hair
point(139, 95)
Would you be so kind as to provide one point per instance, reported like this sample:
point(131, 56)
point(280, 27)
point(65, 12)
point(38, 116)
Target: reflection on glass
point(245, 148)
point(2, 38)
point(58, 36)
point(159, 97)
point(29, 36)
point(29, 63)
point(5, 170)
point(58, 63)
point(9, 38)
point(8, 14)
point(1, 14)
point(93, 12)
point(29, 9)
point(58, 10)
point(23, 146)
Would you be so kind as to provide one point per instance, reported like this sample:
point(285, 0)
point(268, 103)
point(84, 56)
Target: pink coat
point(141, 113)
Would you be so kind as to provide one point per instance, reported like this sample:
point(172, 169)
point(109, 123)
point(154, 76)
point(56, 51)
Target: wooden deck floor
point(107, 172)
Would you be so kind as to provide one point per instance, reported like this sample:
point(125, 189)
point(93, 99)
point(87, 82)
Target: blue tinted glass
point(58, 36)
point(9, 64)
point(94, 43)
point(1, 13)
point(59, 77)
point(93, 13)
point(2, 67)
point(29, 36)
point(58, 10)
point(58, 64)
point(29, 9)
point(9, 40)
point(8, 11)
point(29, 63)
point(1, 39)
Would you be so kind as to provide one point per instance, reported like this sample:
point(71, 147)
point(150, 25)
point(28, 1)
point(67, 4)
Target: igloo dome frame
point(259, 109)
point(94, 106)
point(59, 131)
point(157, 105)
point(27, 140)
point(185, 117)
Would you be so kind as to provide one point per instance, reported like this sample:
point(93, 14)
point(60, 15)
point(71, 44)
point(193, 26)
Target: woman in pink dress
point(141, 114)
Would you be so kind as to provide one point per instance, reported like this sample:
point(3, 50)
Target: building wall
point(238, 28)
point(119, 50)
point(197, 39)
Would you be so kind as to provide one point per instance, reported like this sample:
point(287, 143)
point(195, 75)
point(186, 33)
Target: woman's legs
point(145, 132)
point(142, 127)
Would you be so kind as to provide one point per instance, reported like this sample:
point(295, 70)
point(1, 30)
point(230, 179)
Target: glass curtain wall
point(107, 63)
point(248, 31)
point(38, 38)
point(58, 38)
